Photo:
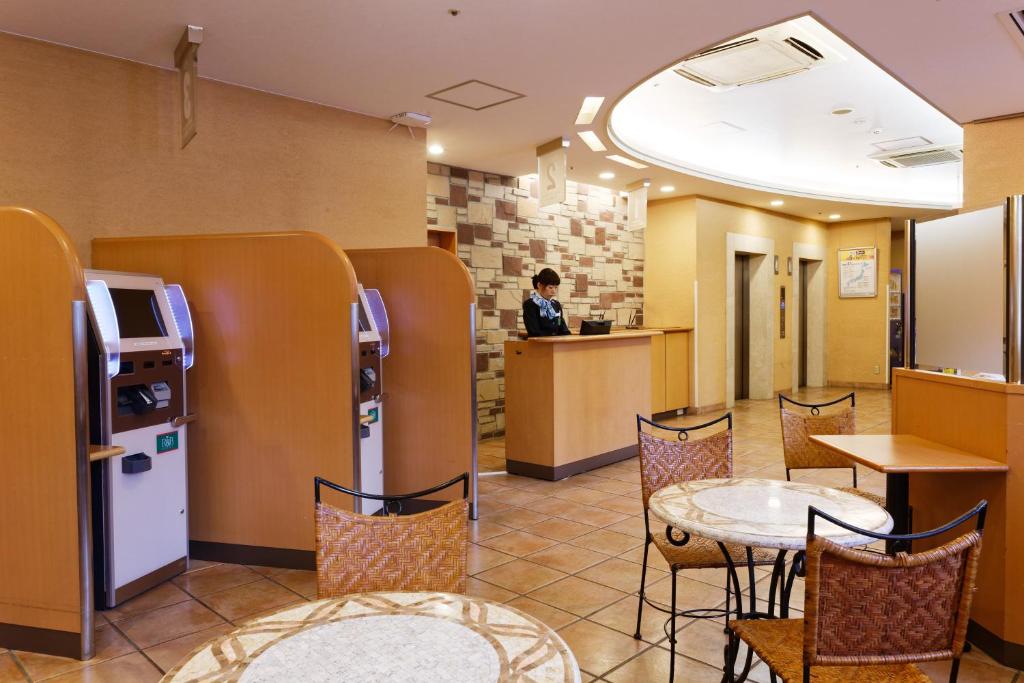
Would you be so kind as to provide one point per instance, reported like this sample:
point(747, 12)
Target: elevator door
point(804, 274)
point(742, 331)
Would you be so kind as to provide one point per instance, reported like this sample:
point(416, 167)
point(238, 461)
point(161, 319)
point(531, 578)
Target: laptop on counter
point(595, 327)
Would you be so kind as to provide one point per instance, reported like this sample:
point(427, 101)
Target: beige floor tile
point(652, 666)
point(518, 543)
point(971, 671)
point(480, 558)
point(559, 529)
point(251, 598)
point(690, 594)
point(579, 596)
point(521, 497)
point(632, 526)
point(521, 576)
point(480, 529)
point(621, 616)
point(170, 654)
point(654, 558)
point(195, 565)
point(168, 623)
point(567, 558)
point(109, 644)
point(10, 672)
point(215, 578)
point(588, 514)
point(160, 596)
point(517, 518)
point(133, 667)
point(301, 581)
point(488, 591)
point(242, 621)
point(631, 505)
point(599, 649)
point(579, 494)
point(620, 574)
point(608, 542)
point(551, 616)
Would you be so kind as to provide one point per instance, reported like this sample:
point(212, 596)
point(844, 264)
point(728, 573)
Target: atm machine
point(373, 347)
point(140, 347)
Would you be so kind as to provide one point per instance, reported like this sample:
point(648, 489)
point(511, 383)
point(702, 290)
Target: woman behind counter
point(541, 313)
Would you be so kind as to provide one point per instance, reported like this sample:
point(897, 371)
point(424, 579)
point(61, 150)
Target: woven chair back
point(864, 608)
point(664, 462)
point(422, 552)
point(798, 449)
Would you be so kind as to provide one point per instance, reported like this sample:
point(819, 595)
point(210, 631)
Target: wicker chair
point(802, 453)
point(869, 616)
point(664, 462)
point(420, 552)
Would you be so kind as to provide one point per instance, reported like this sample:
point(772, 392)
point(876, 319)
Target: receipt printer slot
point(137, 399)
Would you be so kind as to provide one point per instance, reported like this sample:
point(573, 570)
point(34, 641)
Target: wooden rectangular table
point(900, 455)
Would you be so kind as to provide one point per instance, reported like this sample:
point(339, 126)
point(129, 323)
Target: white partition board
point(959, 286)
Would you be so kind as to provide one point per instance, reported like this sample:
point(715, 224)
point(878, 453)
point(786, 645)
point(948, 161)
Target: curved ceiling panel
point(794, 109)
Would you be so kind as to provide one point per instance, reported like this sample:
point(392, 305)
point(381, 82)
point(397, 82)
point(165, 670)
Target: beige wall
point(992, 167)
point(714, 220)
point(685, 241)
point(93, 141)
point(670, 269)
point(858, 328)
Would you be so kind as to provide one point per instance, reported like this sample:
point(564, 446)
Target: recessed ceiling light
point(842, 111)
point(436, 149)
point(668, 188)
point(591, 105)
point(591, 140)
point(834, 216)
point(606, 175)
point(625, 161)
point(776, 202)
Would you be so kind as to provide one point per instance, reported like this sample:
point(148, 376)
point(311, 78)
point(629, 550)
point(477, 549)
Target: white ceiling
point(781, 136)
point(381, 57)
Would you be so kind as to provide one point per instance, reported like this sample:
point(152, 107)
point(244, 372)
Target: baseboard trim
point(285, 558)
point(857, 385)
point(144, 583)
point(704, 410)
point(1005, 652)
point(554, 473)
point(46, 641)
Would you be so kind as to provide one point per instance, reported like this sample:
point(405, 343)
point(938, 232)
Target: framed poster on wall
point(858, 272)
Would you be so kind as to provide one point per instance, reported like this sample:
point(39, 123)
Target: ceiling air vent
point(765, 55)
point(1014, 23)
point(914, 158)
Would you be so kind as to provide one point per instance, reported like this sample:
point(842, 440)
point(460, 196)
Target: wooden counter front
point(571, 402)
point(985, 418)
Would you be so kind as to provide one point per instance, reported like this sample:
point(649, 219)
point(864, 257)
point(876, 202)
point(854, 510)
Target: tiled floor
point(568, 552)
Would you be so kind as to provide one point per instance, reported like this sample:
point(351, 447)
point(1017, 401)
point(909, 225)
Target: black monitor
point(595, 327)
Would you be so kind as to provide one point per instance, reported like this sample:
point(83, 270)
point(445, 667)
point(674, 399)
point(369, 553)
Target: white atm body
point(140, 348)
point(373, 347)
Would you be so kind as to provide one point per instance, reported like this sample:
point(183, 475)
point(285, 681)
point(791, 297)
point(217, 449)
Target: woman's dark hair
point(546, 277)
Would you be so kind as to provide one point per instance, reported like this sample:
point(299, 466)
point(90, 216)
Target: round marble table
point(384, 637)
point(764, 513)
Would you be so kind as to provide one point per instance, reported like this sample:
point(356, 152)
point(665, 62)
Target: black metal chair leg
point(672, 632)
point(643, 579)
point(954, 671)
point(728, 600)
point(854, 476)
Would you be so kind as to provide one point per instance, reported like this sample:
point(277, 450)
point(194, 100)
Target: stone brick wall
point(504, 239)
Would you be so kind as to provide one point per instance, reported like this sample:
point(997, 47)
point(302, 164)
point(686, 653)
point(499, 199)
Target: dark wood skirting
point(154, 578)
point(1005, 652)
point(529, 469)
point(43, 640)
point(285, 558)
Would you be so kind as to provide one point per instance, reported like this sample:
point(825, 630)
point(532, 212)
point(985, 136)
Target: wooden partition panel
point(429, 376)
point(42, 602)
point(985, 418)
point(271, 384)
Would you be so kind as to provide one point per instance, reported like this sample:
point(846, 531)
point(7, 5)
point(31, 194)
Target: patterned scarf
point(547, 309)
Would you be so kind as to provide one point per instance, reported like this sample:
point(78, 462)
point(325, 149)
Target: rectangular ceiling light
point(591, 105)
point(624, 161)
point(591, 140)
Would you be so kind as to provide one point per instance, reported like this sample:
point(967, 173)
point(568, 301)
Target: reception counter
point(571, 402)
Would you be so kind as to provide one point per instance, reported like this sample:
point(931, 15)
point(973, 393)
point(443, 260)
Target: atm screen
point(138, 314)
